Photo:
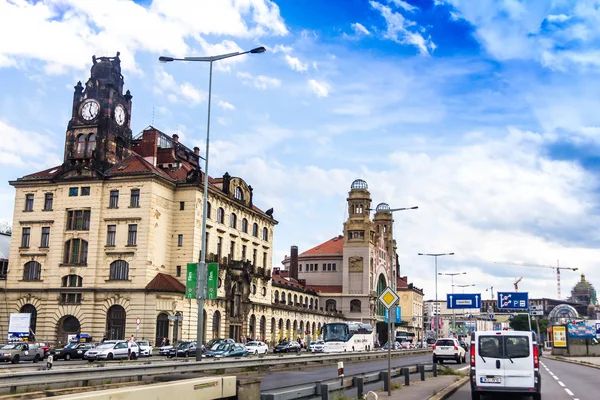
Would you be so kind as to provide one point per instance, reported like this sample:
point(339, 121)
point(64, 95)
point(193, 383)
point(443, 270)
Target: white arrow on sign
point(451, 303)
point(476, 301)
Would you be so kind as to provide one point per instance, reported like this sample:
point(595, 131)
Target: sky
point(484, 114)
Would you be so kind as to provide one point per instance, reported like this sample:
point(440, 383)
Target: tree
point(5, 227)
point(520, 323)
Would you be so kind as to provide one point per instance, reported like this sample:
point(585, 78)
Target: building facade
point(411, 303)
point(102, 241)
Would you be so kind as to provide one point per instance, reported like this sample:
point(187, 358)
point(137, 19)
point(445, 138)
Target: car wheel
point(475, 396)
point(133, 356)
point(536, 396)
point(109, 356)
point(186, 355)
point(91, 360)
point(36, 358)
point(67, 357)
point(458, 359)
point(464, 360)
point(15, 359)
point(435, 360)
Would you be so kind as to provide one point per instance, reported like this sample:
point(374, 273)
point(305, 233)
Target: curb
point(566, 360)
point(449, 390)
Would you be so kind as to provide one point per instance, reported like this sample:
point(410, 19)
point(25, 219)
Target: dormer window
point(238, 194)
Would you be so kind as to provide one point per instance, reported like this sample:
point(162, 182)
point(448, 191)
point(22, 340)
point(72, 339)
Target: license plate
point(490, 380)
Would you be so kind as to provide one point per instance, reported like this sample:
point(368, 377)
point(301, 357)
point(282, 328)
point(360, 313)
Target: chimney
point(175, 138)
point(294, 263)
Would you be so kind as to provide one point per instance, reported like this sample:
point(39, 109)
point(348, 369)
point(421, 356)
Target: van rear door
point(518, 362)
point(489, 371)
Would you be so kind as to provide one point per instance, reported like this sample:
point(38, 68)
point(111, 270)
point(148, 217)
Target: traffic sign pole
point(389, 298)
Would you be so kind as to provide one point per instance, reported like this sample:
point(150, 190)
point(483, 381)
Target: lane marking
point(569, 392)
point(561, 384)
point(555, 377)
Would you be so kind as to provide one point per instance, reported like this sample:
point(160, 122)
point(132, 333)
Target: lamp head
point(164, 59)
point(258, 50)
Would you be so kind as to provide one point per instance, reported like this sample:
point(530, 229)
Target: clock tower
point(98, 134)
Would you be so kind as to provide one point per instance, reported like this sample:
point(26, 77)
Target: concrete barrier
point(211, 388)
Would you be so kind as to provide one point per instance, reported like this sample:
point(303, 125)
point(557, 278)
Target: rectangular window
point(134, 201)
point(45, 241)
point(206, 242)
point(74, 191)
point(76, 252)
point(85, 191)
point(70, 298)
point(179, 240)
point(3, 269)
point(181, 205)
point(328, 266)
point(25, 237)
point(324, 267)
point(48, 199)
point(29, 202)
point(114, 199)
point(300, 267)
point(244, 248)
point(132, 235)
point(231, 249)
point(219, 247)
point(178, 270)
point(264, 264)
point(111, 235)
point(333, 267)
point(78, 220)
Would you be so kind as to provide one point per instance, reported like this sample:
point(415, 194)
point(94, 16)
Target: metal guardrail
point(102, 372)
point(324, 389)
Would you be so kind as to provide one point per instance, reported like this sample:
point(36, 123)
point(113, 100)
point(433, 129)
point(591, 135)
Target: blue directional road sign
point(513, 300)
point(463, 300)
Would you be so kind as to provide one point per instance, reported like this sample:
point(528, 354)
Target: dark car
point(211, 345)
point(183, 349)
point(71, 351)
point(227, 350)
point(464, 345)
point(287, 347)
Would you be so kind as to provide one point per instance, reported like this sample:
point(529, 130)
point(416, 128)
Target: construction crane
point(557, 268)
point(517, 284)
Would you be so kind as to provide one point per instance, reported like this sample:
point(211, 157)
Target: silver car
point(316, 346)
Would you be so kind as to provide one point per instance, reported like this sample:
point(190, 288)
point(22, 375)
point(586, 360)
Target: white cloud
point(23, 148)
point(557, 18)
point(295, 64)
point(359, 28)
point(404, 5)
point(280, 48)
point(175, 92)
point(225, 105)
point(321, 89)
point(259, 81)
point(399, 29)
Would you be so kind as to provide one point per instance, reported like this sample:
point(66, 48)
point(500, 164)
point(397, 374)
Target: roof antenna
point(152, 116)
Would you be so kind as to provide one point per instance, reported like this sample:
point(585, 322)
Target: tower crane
point(517, 284)
point(557, 268)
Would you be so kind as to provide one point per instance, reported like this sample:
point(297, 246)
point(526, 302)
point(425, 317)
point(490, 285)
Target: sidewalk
point(589, 361)
point(420, 390)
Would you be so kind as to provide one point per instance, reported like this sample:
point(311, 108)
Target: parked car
point(112, 351)
point(45, 347)
point(227, 350)
point(71, 351)
point(145, 348)
point(164, 350)
point(287, 347)
point(183, 349)
point(448, 349)
point(257, 347)
point(505, 362)
point(15, 352)
point(214, 342)
point(316, 346)
point(397, 346)
point(464, 345)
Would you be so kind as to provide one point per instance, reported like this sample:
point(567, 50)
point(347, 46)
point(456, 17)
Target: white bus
point(347, 336)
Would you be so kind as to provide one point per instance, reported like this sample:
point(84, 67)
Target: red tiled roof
point(165, 283)
point(332, 246)
point(46, 174)
point(327, 288)
point(135, 164)
point(283, 281)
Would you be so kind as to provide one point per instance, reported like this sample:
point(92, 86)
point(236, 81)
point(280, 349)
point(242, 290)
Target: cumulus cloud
point(295, 64)
point(359, 28)
point(321, 89)
point(259, 81)
point(24, 148)
point(225, 105)
point(175, 92)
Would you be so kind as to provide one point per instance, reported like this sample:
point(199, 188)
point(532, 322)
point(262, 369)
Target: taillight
point(455, 347)
point(472, 354)
point(434, 346)
point(536, 357)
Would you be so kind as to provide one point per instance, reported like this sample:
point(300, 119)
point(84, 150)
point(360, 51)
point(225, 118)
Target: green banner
point(190, 281)
point(212, 281)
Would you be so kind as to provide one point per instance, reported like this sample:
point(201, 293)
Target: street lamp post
point(464, 286)
point(436, 255)
point(201, 268)
point(452, 275)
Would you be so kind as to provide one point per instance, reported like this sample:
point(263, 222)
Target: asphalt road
point(560, 381)
point(304, 375)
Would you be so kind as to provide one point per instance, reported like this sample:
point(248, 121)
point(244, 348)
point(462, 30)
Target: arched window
point(91, 145)
point(330, 305)
point(119, 270)
point(314, 328)
point(238, 194)
point(216, 324)
point(162, 328)
point(245, 225)
point(306, 302)
point(316, 304)
point(289, 300)
point(30, 309)
point(220, 215)
point(32, 271)
point(311, 303)
point(355, 305)
point(295, 299)
point(72, 281)
point(208, 210)
point(263, 328)
point(76, 252)
point(115, 323)
point(255, 230)
point(276, 296)
point(233, 221)
point(301, 300)
point(265, 234)
point(81, 144)
point(252, 326)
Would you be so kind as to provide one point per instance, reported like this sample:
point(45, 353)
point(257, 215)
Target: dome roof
point(583, 285)
point(359, 184)
point(382, 207)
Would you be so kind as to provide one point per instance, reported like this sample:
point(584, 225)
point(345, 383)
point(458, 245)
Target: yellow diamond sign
point(388, 297)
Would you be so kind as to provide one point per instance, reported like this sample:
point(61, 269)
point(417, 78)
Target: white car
point(112, 351)
point(164, 350)
point(448, 349)
point(317, 346)
point(145, 348)
point(257, 348)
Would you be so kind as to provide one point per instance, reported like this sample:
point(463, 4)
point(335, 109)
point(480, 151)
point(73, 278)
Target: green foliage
point(520, 323)
point(544, 323)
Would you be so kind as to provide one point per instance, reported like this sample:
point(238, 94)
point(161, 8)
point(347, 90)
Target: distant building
point(4, 251)
point(585, 294)
point(411, 303)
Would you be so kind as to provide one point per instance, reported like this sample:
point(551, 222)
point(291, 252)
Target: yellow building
point(411, 303)
point(101, 242)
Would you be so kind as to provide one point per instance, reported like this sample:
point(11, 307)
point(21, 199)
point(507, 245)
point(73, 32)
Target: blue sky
point(483, 113)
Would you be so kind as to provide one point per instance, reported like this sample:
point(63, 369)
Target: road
point(276, 380)
point(560, 381)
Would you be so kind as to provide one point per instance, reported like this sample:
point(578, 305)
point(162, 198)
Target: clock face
point(120, 114)
point(89, 110)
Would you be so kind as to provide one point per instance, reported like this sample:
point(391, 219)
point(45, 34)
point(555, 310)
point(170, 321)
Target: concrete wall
point(578, 348)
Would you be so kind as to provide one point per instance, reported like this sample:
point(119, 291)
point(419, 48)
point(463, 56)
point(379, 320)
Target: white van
point(505, 362)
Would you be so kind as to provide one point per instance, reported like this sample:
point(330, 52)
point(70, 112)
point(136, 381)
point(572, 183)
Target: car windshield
point(284, 343)
point(9, 346)
point(251, 344)
point(183, 345)
point(143, 343)
point(222, 347)
point(71, 346)
point(446, 342)
point(105, 346)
